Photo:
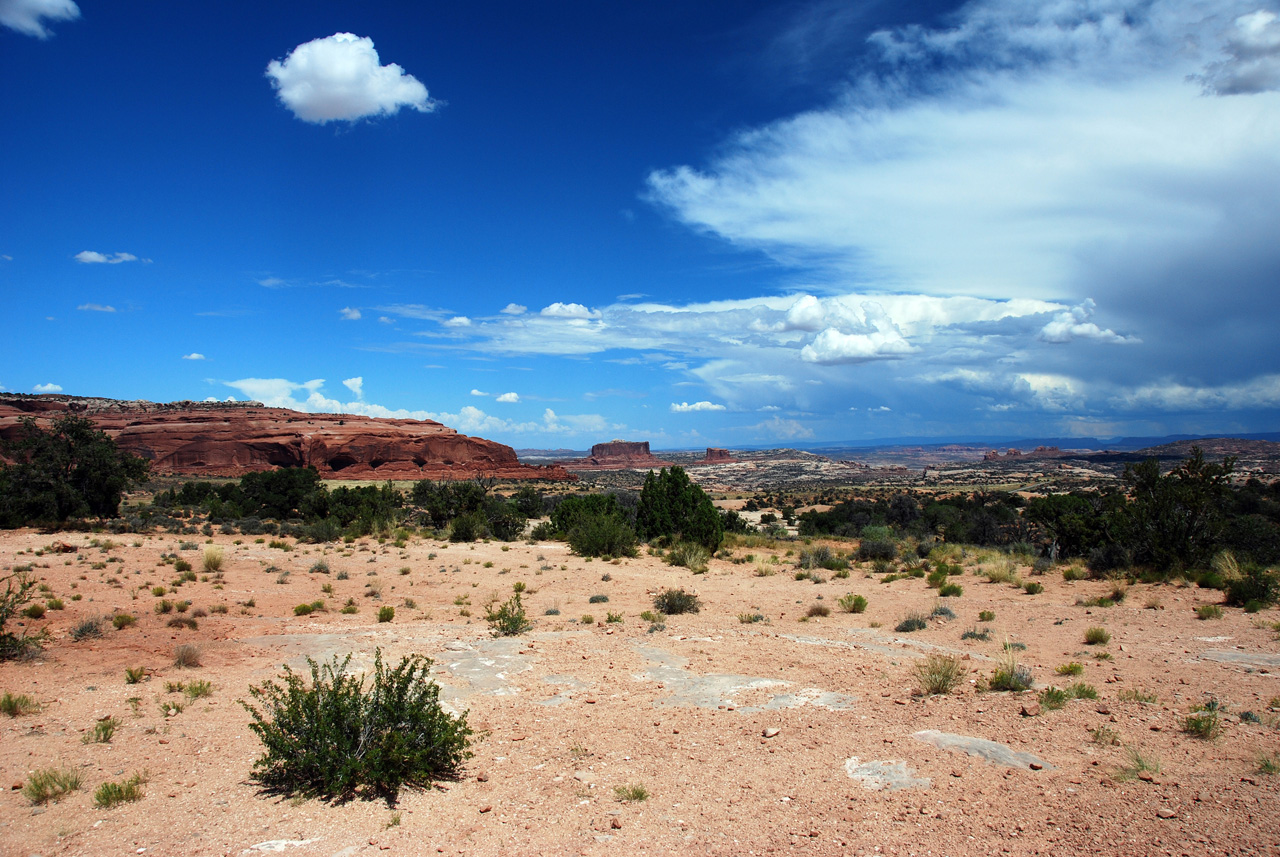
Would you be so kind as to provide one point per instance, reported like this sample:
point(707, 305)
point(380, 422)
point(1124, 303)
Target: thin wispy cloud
point(96, 308)
point(32, 17)
point(93, 257)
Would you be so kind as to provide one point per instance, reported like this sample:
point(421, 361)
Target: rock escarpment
point(234, 438)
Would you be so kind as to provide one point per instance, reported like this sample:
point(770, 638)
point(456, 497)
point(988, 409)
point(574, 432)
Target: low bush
point(386, 613)
point(120, 621)
point(1010, 675)
point(675, 601)
point(817, 610)
point(336, 739)
point(508, 619)
point(873, 549)
point(89, 629)
point(1073, 668)
point(690, 555)
point(16, 705)
point(1204, 721)
point(913, 622)
point(1096, 636)
point(1208, 611)
point(852, 603)
point(950, 590)
point(212, 560)
point(186, 656)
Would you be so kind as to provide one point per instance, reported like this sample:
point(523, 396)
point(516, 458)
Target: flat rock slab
point(996, 753)
point(1232, 656)
point(483, 666)
point(566, 681)
point(691, 690)
point(884, 775)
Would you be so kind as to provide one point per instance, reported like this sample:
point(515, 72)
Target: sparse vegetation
point(1204, 721)
point(133, 675)
point(1010, 675)
point(1208, 611)
point(1073, 668)
point(508, 619)
point(212, 559)
point(89, 629)
point(913, 622)
point(102, 731)
point(938, 673)
point(631, 793)
point(49, 785)
point(1096, 636)
point(852, 603)
point(110, 794)
point(817, 610)
point(186, 656)
point(17, 705)
point(386, 613)
point(334, 738)
point(1138, 764)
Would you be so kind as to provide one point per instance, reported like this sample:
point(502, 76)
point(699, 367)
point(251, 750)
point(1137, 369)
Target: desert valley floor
point(790, 734)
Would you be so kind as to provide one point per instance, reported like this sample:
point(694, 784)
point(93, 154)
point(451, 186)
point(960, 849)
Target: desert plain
point(750, 727)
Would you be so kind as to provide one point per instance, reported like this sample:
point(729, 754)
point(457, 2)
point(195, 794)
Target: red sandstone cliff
point(234, 438)
point(716, 455)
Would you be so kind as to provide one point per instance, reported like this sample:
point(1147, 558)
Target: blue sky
point(709, 223)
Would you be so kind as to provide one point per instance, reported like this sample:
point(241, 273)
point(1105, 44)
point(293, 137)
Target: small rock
point(1202, 796)
point(486, 808)
point(1031, 709)
point(1036, 766)
point(1146, 778)
point(1165, 812)
point(16, 786)
point(482, 777)
point(1102, 709)
point(615, 824)
point(590, 700)
point(771, 732)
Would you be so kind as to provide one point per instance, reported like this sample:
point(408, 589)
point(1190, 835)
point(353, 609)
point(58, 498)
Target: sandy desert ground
point(787, 735)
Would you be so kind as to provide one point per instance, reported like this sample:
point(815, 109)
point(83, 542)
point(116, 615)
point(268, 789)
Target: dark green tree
point(72, 469)
point(1174, 521)
point(672, 505)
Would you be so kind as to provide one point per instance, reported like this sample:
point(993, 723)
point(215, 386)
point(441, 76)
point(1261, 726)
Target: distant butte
point(617, 455)
point(235, 438)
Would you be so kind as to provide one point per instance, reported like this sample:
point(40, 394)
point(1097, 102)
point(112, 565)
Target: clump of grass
point(17, 705)
point(1073, 668)
point(1208, 611)
point(508, 619)
point(212, 560)
point(164, 606)
point(675, 601)
point(942, 611)
point(938, 674)
point(133, 675)
point(587, 619)
point(597, 599)
point(950, 590)
point(1105, 736)
point(1096, 636)
point(89, 629)
point(111, 794)
point(631, 794)
point(1138, 764)
point(320, 566)
point(1080, 690)
point(101, 732)
point(1204, 721)
point(55, 604)
point(983, 634)
point(198, 689)
point(183, 622)
point(186, 656)
point(1138, 695)
point(49, 785)
point(1052, 698)
point(120, 621)
point(818, 610)
point(913, 622)
point(690, 555)
point(386, 613)
point(1032, 587)
point(852, 603)
point(1009, 674)
point(986, 616)
point(750, 618)
point(1269, 764)
point(613, 618)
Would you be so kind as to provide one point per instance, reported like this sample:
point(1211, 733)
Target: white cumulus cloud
point(28, 16)
point(194, 355)
point(509, 398)
point(349, 313)
point(457, 321)
point(476, 392)
point(515, 309)
point(46, 388)
point(341, 79)
point(1075, 324)
point(355, 385)
point(1253, 51)
point(563, 310)
point(685, 407)
point(93, 257)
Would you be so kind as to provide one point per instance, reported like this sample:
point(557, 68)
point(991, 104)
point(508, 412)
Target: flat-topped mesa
point(716, 455)
point(235, 438)
point(618, 455)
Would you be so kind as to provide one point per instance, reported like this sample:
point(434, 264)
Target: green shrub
point(133, 675)
point(1204, 721)
point(109, 794)
point(675, 601)
point(602, 535)
point(1052, 698)
point(303, 610)
point(913, 622)
point(817, 610)
point(975, 634)
point(34, 611)
point(631, 794)
point(1208, 611)
point(1010, 675)
point(1073, 668)
point(1096, 636)
point(1080, 690)
point(950, 590)
point(986, 616)
point(55, 604)
point(386, 613)
point(1253, 583)
point(508, 619)
point(50, 784)
point(597, 599)
point(182, 566)
point(873, 549)
point(938, 674)
point(852, 603)
point(120, 621)
point(1032, 587)
point(750, 618)
point(336, 739)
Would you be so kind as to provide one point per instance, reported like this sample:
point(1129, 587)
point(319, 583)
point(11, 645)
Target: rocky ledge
point(234, 438)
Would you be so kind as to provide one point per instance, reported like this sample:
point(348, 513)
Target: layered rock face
point(618, 455)
point(716, 455)
point(234, 438)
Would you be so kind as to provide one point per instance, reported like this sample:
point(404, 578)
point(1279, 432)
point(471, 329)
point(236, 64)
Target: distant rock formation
point(617, 455)
point(716, 455)
point(1038, 452)
point(234, 438)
